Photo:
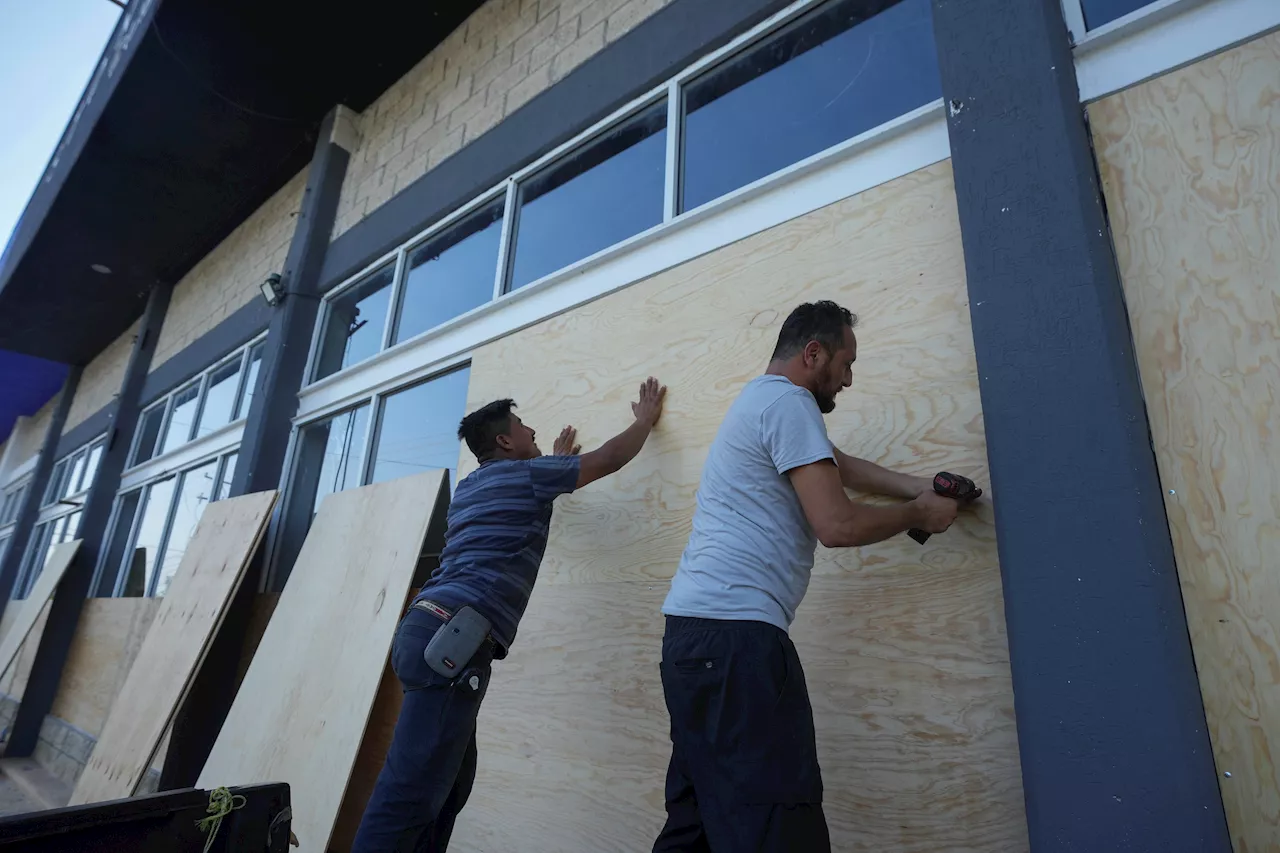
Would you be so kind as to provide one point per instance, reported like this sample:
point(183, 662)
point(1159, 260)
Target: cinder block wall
point(227, 278)
point(507, 52)
point(28, 434)
point(101, 379)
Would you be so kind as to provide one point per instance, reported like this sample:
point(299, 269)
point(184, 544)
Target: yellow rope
point(221, 803)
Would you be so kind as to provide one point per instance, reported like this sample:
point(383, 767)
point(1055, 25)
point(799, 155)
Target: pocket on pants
point(744, 721)
point(408, 659)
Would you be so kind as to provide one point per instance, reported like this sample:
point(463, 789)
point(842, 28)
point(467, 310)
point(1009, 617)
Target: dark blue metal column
point(266, 438)
point(64, 612)
point(1115, 751)
point(35, 489)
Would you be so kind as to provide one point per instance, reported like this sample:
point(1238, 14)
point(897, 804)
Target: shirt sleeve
point(553, 476)
point(794, 433)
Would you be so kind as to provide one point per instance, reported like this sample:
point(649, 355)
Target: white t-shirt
point(750, 554)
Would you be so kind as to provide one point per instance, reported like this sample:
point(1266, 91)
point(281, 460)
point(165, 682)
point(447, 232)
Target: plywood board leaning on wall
point(1190, 164)
point(212, 568)
point(904, 646)
point(29, 609)
point(301, 711)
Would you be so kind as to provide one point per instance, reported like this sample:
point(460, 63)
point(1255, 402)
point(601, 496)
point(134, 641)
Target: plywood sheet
point(107, 640)
point(905, 646)
point(29, 609)
point(301, 710)
point(211, 571)
point(1191, 169)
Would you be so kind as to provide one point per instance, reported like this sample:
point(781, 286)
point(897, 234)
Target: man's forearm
point(870, 478)
point(867, 525)
point(625, 446)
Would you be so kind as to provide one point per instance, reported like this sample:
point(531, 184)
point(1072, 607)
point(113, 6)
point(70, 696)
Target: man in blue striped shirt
point(497, 533)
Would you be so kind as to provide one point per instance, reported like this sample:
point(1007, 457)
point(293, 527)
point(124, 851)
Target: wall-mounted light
point(272, 290)
point(100, 269)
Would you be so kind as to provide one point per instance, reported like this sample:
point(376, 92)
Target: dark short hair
point(481, 428)
point(823, 322)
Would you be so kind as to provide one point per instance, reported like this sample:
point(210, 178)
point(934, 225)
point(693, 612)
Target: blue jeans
point(431, 764)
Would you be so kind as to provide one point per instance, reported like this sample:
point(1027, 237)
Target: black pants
point(431, 764)
point(744, 770)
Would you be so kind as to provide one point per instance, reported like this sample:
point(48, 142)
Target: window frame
point(220, 456)
point(61, 507)
point(194, 444)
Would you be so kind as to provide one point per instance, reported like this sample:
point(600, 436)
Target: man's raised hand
point(649, 408)
point(566, 443)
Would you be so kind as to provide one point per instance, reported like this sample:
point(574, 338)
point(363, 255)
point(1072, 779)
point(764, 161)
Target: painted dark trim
point(232, 333)
point(87, 430)
point(1115, 750)
point(30, 508)
point(665, 43)
point(64, 611)
point(262, 453)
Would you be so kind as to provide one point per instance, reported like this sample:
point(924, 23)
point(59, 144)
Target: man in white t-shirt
point(744, 767)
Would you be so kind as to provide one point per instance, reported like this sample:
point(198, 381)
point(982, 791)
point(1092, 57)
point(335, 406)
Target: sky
point(48, 50)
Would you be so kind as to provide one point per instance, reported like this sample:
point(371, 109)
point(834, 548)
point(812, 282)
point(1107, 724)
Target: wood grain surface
point(107, 640)
point(29, 609)
point(302, 708)
point(211, 570)
point(1191, 168)
point(905, 645)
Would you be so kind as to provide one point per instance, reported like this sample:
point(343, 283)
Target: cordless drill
point(949, 486)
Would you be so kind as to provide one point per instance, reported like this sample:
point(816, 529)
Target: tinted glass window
point(250, 381)
point(194, 495)
point(1099, 12)
point(219, 398)
point(228, 474)
point(355, 323)
point(119, 541)
point(33, 559)
point(54, 490)
point(146, 547)
point(601, 194)
point(419, 428)
point(825, 78)
point(148, 432)
point(451, 273)
point(182, 416)
point(91, 465)
point(339, 463)
point(74, 472)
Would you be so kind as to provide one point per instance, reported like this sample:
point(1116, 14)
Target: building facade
point(1058, 222)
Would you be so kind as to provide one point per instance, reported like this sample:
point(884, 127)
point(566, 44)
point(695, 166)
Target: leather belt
point(444, 613)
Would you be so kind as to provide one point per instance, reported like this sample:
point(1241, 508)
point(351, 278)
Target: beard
point(826, 403)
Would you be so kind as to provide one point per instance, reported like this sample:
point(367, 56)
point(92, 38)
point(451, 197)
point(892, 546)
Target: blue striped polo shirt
point(497, 533)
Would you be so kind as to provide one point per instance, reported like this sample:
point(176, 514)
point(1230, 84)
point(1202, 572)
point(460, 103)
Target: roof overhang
point(198, 112)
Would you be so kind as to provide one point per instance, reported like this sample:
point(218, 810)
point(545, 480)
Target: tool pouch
point(456, 642)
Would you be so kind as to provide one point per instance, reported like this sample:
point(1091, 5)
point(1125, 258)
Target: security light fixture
point(102, 269)
point(272, 290)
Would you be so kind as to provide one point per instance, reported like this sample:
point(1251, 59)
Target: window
point(148, 432)
point(73, 474)
point(250, 380)
point(331, 458)
point(599, 195)
point(452, 273)
point(227, 475)
point(1099, 12)
point(825, 78)
point(53, 490)
point(418, 428)
point(12, 504)
point(204, 405)
point(355, 322)
point(44, 538)
point(182, 417)
point(195, 492)
point(154, 524)
point(219, 398)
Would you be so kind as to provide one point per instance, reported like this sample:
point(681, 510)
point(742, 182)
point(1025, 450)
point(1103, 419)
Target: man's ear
point(813, 353)
point(503, 441)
